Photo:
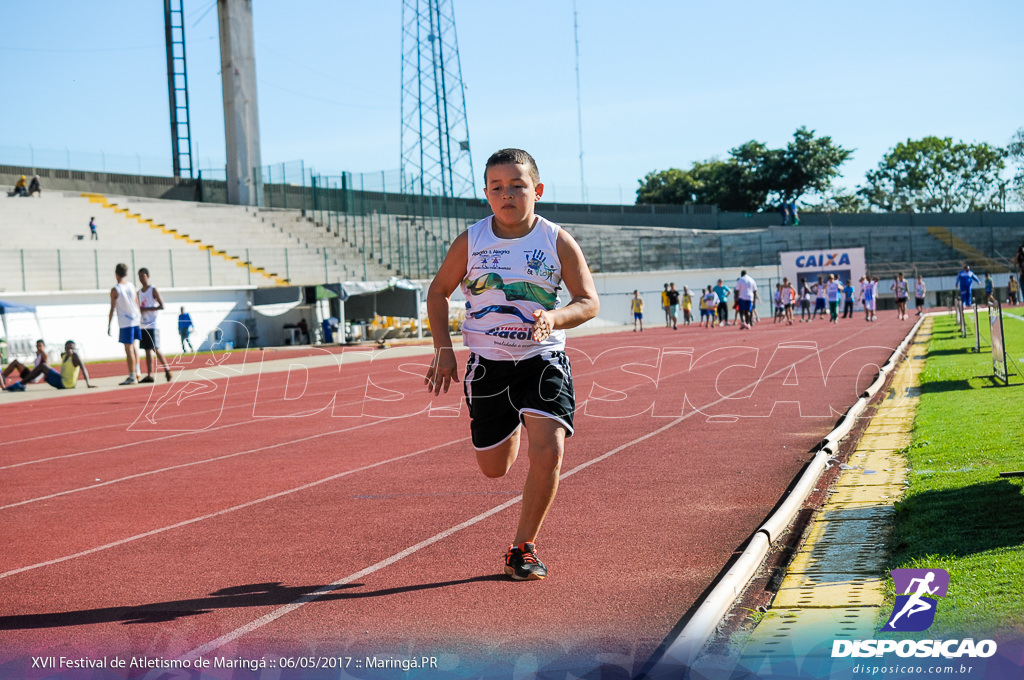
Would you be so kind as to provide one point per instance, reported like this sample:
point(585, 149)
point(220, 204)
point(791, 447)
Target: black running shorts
point(150, 339)
point(498, 393)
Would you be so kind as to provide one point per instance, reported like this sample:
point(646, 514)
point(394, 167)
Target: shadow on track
point(253, 595)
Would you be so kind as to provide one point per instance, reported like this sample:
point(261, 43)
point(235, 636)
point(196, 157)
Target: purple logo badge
point(915, 606)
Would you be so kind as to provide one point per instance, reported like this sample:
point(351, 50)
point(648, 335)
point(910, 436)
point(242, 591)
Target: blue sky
point(663, 83)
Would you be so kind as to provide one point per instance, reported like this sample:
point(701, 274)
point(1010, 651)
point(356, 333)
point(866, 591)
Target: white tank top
point(126, 306)
point(147, 300)
point(506, 281)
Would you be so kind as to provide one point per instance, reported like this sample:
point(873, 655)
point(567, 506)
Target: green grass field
point(958, 514)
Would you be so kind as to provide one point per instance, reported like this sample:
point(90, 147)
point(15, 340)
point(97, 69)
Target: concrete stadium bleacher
point(932, 250)
point(48, 246)
point(189, 243)
point(281, 242)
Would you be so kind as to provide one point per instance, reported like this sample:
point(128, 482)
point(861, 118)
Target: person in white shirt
point(511, 266)
point(124, 302)
point(150, 302)
point(833, 291)
point(901, 288)
point(819, 298)
point(746, 293)
point(710, 305)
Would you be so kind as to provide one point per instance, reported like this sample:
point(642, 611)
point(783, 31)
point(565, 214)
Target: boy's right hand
point(444, 370)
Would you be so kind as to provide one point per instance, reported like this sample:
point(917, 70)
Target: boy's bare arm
point(443, 368)
point(77, 361)
point(113, 303)
point(158, 299)
point(584, 303)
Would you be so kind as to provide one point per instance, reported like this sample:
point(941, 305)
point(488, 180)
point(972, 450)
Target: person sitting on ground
point(34, 187)
point(21, 187)
point(64, 379)
point(26, 373)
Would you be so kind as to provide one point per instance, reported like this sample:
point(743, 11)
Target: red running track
point(326, 512)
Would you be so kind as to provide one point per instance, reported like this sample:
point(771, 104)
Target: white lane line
point(226, 511)
point(190, 414)
point(187, 465)
point(311, 597)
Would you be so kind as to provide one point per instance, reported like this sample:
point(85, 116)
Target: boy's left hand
point(543, 325)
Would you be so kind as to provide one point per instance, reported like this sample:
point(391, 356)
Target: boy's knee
point(546, 456)
point(495, 463)
point(495, 467)
point(494, 472)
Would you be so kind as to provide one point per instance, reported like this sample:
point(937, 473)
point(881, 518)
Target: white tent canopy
point(7, 307)
point(358, 302)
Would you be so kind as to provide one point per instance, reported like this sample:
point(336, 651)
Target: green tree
point(936, 175)
point(731, 185)
point(751, 176)
point(808, 164)
point(838, 200)
point(673, 186)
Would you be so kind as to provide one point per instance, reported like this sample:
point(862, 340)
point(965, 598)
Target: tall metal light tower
point(177, 88)
point(435, 132)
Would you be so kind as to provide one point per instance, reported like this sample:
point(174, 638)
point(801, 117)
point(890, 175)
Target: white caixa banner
point(847, 263)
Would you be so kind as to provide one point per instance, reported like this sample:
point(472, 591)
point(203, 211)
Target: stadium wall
point(355, 201)
point(82, 315)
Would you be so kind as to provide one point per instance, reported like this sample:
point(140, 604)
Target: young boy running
point(511, 266)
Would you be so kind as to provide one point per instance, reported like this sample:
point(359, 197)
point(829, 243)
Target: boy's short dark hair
point(144, 271)
point(121, 269)
point(513, 157)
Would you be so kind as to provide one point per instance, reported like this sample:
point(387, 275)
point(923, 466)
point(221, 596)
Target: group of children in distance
point(827, 294)
point(713, 303)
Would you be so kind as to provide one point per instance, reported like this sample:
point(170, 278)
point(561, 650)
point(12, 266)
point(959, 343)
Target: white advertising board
point(847, 263)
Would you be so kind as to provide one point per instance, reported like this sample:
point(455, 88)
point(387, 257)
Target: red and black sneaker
point(521, 563)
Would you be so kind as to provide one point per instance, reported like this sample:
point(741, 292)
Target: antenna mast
point(579, 101)
point(435, 132)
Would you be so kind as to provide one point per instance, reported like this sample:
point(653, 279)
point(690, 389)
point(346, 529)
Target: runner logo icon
point(914, 609)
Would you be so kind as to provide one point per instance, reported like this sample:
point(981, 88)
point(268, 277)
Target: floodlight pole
point(241, 105)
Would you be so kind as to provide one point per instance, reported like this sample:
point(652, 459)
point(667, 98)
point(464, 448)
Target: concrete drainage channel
point(681, 654)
